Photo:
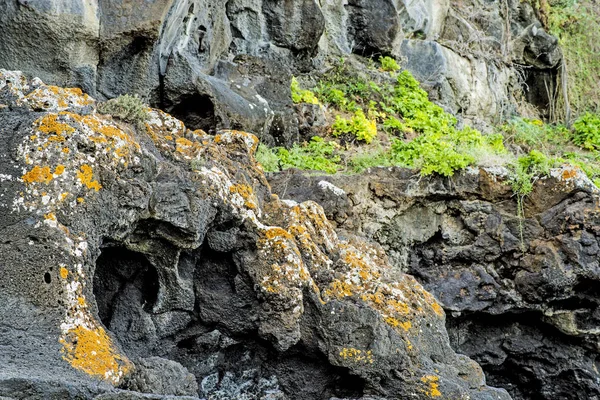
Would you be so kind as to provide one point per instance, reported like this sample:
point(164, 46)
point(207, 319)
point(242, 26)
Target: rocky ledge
point(152, 261)
point(518, 277)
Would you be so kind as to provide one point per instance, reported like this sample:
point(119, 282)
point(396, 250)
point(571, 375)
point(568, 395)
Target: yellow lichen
point(38, 174)
point(50, 125)
point(59, 170)
point(64, 273)
point(92, 351)
point(396, 323)
point(432, 389)
point(357, 355)
point(86, 177)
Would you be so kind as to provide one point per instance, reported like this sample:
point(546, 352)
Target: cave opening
point(197, 111)
point(123, 276)
point(541, 90)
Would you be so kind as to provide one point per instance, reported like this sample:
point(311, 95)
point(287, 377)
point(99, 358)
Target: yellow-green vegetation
point(389, 64)
point(537, 147)
point(127, 108)
point(316, 155)
point(576, 23)
point(586, 131)
point(388, 120)
point(300, 95)
point(415, 132)
point(359, 127)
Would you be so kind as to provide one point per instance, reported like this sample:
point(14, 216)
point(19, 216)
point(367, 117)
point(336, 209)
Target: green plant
point(388, 64)
point(576, 23)
point(394, 126)
point(359, 126)
point(377, 157)
point(586, 131)
point(300, 95)
point(316, 155)
point(127, 108)
point(267, 158)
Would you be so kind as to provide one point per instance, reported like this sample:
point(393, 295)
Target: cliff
point(130, 253)
point(146, 254)
point(481, 60)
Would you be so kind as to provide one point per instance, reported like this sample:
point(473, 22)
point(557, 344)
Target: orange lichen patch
point(437, 308)
point(432, 386)
point(92, 351)
point(86, 177)
point(50, 125)
point(64, 273)
point(182, 142)
point(46, 97)
point(247, 194)
point(66, 150)
point(59, 170)
point(80, 200)
point(276, 232)
point(38, 174)
point(243, 190)
point(569, 173)
point(250, 141)
point(406, 325)
point(63, 196)
point(356, 355)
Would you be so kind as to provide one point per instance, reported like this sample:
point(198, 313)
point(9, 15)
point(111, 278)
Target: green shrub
point(445, 153)
point(586, 131)
point(359, 127)
point(300, 95)
point(127, 108)
point(267, 158)
point(576, 23)
point(363, 160)
point(529, 134)
point(317, 155)
point(528, 168)
point(388, 64)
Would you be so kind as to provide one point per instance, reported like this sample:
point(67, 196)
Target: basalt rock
point(136, 258)
point(228, 64)
point(518, 277)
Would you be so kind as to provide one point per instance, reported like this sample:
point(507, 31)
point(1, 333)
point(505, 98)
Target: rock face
point(159, 261)
point(521, 293)
point(227, 64)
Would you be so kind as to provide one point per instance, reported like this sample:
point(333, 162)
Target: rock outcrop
point(158, 261)
point(228, 64)
point(520, 288)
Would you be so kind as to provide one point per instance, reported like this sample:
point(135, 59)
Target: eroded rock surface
point(228, 64)
point(127, 252)
point(521, 293)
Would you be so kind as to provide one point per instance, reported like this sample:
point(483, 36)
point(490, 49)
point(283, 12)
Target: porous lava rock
point(126, 249)
point(517, 276)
